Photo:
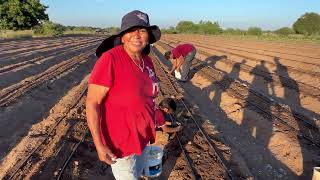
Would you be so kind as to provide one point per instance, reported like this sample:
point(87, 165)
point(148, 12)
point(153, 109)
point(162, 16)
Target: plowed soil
point(258, 100)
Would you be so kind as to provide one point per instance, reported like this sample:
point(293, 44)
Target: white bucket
point(316, 173)
point(154, 161)
point(177, 74)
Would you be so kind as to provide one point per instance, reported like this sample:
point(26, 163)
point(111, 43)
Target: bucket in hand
point(316, 173)
point(153, 166)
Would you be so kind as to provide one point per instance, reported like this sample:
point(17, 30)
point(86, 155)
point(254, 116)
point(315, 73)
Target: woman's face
point(135, 40)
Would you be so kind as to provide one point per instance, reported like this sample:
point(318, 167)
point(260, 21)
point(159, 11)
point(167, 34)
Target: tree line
point(30, 14)
point(308, 24)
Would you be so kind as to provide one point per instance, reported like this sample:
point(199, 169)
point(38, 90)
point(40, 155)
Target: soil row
point(243, 113)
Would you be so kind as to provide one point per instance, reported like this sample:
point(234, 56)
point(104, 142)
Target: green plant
point(207, 27)
point(308, 24)
point(111, 30)
point(170, 30)
point(187, 27)
point(50, 29)
point(234, 31)
point(285, 31)
point(20, 15)
point(256, 31)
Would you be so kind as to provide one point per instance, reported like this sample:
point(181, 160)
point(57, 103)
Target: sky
point(267, 14)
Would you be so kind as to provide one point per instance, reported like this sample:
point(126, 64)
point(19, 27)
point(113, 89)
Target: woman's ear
point(122, 40)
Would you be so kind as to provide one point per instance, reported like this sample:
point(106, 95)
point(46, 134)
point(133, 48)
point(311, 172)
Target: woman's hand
point(106, 155)
point(179, 127)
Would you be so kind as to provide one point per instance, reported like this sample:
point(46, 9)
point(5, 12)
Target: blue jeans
point(130, 167)
point(183, 71)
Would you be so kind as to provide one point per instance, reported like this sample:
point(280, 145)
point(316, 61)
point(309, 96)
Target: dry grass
point(7, 34)
point(79, 32)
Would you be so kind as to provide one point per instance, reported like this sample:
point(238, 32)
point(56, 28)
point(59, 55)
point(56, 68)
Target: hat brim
point(115, 40)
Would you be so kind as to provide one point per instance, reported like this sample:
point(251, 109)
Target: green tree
point(21, 14)
point(187, 27)
point(112, 30)
point(307, 24)
point(234, 31)
point(49, 28)
point(207, 27)
point(170, 30)
point(254, 31)
point(285, 31)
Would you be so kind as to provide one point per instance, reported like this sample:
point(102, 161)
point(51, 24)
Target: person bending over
point(181, 58)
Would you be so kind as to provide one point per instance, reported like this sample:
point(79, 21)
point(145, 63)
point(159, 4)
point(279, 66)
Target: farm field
point(251, 109)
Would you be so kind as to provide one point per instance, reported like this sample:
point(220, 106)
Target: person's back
point(182, 50)
point(181, 56)
point(164, 116)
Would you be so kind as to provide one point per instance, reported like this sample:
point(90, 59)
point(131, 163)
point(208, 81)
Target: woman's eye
point(143, 30)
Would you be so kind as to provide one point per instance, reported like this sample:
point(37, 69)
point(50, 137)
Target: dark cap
point(132, 19)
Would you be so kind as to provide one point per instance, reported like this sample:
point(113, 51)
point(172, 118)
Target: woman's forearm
point(93, 116)
point(180, 61)
point(174, 65)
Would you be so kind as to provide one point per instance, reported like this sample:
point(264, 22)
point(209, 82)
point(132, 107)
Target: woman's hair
point(168, 103)
point(167, 54)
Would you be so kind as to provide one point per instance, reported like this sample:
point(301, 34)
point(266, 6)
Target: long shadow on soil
point(259, 129)
point(291, 97)
point(197, 66)
point(19, 116)
point(294, 96)
point(181, 115)
point(256, 155)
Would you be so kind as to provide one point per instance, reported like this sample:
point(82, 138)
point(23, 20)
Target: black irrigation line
point(280, 44)
point(186, 158)
point(23, 162)
point(18, 89)
point(291, 68)
point(193, 174)
point(73, 49)
point(75, 147)
point(229, 171)
point(305, 88)
point(266, 50)
point(228, 49)
point(262, 97)
point(205, 136)
point(36, 50)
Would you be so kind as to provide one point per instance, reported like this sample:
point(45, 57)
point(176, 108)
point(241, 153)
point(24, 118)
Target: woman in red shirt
point(121, 91)
point(181, 57)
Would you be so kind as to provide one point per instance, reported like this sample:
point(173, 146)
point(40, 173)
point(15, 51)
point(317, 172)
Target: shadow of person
point(260, 160)
point(257, 127)
point(294, 96)
point(198, 64)
point(242, 144)
point(225, 82)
